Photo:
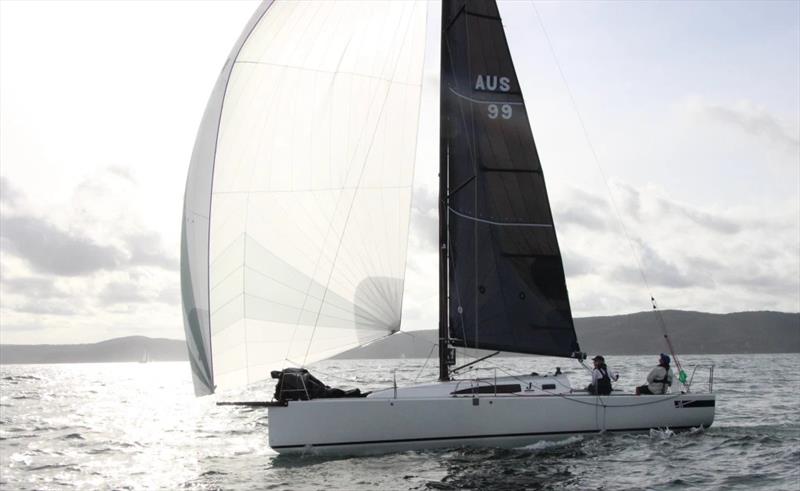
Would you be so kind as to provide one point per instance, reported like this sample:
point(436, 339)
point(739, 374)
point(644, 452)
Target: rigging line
point(605, 182)
point(331, 230)
point(352, 201)
point(319, 247)
point(501, 224)
point(418, 338)
point(377, 291)
point(430, 353)
point(373, 290)
point(459, 308)
point(365, 260)
point(356, 317)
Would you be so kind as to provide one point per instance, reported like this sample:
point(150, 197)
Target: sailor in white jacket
point(659, 379)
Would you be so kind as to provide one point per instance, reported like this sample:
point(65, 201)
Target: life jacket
point(603, 383)
point(664, 381)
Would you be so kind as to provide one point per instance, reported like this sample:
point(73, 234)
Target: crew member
point(601, 379)
point(659, 378)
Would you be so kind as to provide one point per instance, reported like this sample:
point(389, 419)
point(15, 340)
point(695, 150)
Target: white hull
point(418, 419)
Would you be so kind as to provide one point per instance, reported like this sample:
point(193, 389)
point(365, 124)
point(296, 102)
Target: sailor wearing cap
point(601, 379)
point(659, 379)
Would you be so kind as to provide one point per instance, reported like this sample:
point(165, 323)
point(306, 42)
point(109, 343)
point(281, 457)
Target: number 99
point(505, 111)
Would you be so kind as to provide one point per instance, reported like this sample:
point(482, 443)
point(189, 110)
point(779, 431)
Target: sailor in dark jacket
point(601, 379)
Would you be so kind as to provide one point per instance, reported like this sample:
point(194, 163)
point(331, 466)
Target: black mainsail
point(505, 285)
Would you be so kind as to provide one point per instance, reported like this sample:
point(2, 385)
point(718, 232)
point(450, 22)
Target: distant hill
point(132, 348)
point(691, 332)
point(639, 333)
point(630, 334)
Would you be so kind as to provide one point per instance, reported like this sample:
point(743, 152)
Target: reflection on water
point(138, 426)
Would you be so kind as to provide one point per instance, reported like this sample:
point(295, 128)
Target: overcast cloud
point(49, 250)
point(55, 276)
point(754, 120)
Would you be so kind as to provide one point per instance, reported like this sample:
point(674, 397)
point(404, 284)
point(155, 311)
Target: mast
point(444, 345)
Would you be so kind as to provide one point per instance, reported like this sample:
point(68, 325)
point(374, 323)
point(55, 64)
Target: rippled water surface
point(138, 426)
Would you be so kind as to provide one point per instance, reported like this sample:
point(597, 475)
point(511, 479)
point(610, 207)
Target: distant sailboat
point(296, 220)
point(145, 357)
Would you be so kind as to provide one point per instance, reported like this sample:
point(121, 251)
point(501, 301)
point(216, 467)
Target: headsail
point(306, 155)
point(507, 289)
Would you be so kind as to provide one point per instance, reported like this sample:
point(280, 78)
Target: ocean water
point(138, 426)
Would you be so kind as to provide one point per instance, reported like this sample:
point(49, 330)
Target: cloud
point(123, 292)
point(47, 307)
point(122, 172)
point(9, 195)
point(659, 272)
point(138, 289)
point(705, 219)
point(88, 263)
point(145, 249)
point(582, 209)
point(33, 286)
point(48, 249)
point(169, 296)
point(37, 295)
point(662, 272)
point(631, 202)
point(750, 118)
point(649, 206)
point(576, 264)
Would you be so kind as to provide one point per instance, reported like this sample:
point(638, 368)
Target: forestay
point(298, 198)
point(506, 279)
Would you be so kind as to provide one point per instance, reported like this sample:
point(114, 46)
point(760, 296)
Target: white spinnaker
point(195, 227)
point(312, 175)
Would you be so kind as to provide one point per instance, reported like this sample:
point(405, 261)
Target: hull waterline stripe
point(467, 437)
point(697, 403)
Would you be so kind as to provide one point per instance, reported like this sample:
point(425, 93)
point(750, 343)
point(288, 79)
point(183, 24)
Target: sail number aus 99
point(502, 110)
point(495, 83)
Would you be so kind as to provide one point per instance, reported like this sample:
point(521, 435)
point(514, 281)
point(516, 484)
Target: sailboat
point(296, 223)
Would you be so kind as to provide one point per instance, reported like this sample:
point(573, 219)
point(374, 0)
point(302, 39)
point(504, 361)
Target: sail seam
point(455, 17)
point(311, 190)
point(501, 224)
point(317, 70)
point(482, 16)
point(382, 107)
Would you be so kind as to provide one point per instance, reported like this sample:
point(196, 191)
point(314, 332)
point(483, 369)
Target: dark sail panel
point(506, 286)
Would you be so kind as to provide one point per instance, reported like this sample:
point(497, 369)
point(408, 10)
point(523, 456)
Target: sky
point(669, 134)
